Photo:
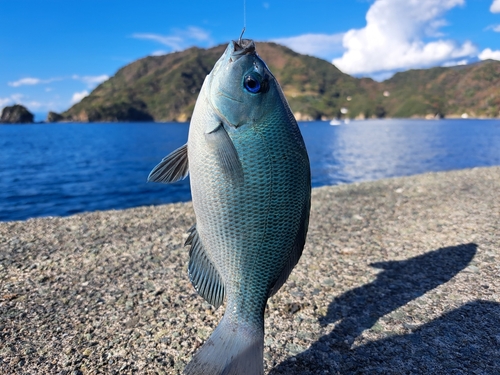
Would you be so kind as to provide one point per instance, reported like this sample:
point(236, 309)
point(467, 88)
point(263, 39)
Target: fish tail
point(232, 349)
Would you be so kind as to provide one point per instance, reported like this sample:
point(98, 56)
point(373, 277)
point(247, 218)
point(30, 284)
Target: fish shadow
point(465, 338)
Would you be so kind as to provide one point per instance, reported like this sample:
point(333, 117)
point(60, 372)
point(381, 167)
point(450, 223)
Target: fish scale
point(251, 186)
point(263, 236)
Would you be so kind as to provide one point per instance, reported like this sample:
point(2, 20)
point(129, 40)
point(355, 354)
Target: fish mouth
point(226, 95)
point(242, 47)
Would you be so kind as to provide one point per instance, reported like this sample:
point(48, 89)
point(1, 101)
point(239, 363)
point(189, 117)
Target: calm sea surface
point(62, 169)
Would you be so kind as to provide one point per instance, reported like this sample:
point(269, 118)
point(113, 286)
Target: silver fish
point(251, 189)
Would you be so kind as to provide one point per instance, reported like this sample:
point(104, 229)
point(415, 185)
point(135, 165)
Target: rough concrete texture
point(398, 276)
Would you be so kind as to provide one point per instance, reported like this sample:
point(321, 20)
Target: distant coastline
point(165, 88)
point(299, 119)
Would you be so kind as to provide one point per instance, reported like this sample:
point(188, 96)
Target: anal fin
point(202, 273)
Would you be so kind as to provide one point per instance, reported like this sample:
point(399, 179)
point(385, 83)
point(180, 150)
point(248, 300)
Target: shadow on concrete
point(463, 341)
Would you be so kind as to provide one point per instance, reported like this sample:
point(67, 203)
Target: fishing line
point(244, 20)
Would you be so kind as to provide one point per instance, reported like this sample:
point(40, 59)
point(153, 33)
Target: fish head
point(241, 85)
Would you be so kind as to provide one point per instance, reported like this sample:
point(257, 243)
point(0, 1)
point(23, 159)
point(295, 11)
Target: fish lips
point(234, 51)
point(228, 97)
point(241, 48)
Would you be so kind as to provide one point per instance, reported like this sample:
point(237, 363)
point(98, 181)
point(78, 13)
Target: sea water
point(65, 168)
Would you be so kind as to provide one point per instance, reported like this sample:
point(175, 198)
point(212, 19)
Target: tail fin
point(232, 349)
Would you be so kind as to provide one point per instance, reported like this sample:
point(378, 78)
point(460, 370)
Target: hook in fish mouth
point(243, 47)
point(241, 35)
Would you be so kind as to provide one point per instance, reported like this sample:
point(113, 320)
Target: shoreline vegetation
point(298, 117)
point(164, 88)
point(397, 276)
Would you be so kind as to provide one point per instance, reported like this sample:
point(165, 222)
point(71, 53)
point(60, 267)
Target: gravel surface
point(398, 276)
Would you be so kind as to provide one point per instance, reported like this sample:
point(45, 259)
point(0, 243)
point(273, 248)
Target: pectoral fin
point(172, 168)
point(226, 152)
point(202, 273)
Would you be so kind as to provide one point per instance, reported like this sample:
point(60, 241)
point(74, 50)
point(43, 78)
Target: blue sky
point(54, 52)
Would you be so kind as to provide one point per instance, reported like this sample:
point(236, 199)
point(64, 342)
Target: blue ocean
point(65, 168)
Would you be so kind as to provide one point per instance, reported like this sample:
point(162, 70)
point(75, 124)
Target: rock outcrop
point(16, 114)
point(54, 117)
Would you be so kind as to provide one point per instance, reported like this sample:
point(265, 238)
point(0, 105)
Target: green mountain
point(165, 88)
point(473, 89)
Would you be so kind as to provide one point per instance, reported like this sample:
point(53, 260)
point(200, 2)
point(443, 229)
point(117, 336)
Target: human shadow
point(463, 341)
point(360, 308)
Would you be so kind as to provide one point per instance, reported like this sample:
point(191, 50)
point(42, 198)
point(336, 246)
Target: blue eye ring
point(252, 84)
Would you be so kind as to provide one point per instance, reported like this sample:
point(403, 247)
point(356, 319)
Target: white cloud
point(173, 42)
point(495, 7)
point(159, 53)
point(5, 101)
point(30, 81)
point(33, 104)
point(393, 38)
point(195, 33)
point(77, 96)
point(180, 39)
point(489, 54)
point(495, 28)
point(91, 80)
point(95, 79)
point(455, 63)
point(17, 97)
point(321, 45)
point(25, 81)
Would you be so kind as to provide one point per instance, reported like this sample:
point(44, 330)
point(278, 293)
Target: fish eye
point(252, 84)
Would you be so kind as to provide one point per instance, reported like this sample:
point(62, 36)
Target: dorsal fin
point(172, 168)
point(202, 273)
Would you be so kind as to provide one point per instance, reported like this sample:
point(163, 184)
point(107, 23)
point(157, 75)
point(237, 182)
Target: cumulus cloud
point(489, 54)
point(399, 35)
point(321, 45)
point(495, 7)
point(78, 96)
point(179, 39)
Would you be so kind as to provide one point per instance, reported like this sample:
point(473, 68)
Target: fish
point(250, 182)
